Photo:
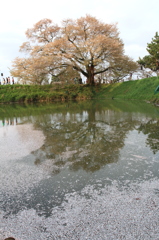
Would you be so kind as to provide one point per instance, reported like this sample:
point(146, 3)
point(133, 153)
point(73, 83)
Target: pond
point(79, 170)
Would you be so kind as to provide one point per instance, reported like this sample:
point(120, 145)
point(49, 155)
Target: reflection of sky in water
point(45, 184)
point(18, 140)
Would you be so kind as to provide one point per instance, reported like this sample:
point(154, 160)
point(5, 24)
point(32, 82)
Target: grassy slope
point(35, 93)
point(140, 89)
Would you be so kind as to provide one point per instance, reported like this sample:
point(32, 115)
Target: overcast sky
point(138, 21)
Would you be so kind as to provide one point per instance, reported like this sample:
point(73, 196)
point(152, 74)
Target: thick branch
point(102, 71)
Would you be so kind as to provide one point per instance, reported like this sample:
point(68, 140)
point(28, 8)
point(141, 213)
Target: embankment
point(143, 89)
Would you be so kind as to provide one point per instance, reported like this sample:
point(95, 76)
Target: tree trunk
point(90, 77)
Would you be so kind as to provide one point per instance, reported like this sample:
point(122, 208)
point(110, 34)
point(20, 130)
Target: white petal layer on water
point(16, 143)
point(109, 214)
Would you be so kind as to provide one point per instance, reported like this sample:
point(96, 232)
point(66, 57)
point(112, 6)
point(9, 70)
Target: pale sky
point(138, 21)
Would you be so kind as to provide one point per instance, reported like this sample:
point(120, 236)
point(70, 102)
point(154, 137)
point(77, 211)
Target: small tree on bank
point(86, 45)
point(151, 61)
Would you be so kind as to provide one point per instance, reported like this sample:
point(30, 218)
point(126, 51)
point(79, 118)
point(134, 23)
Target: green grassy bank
point(140, 90)
point(143, 89)
point(47, 93)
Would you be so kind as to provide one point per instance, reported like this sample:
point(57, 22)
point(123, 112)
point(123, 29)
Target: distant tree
point(86, 45)
point(151, 61)
point(29, 71)
point(124, 68)
point(66, 76)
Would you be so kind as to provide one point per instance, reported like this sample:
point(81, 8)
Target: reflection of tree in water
point(87, 140)
point(151, 128)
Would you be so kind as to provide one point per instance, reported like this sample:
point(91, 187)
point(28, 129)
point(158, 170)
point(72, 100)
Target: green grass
point(47, 93)
point(143, 89)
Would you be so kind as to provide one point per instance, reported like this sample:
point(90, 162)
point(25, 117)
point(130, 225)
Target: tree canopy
point(151, 61)
point(86, 45)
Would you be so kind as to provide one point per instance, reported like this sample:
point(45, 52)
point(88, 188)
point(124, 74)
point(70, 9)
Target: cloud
point(139, 51)
point(137, 21)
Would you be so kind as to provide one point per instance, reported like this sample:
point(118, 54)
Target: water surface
point(49, 151)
